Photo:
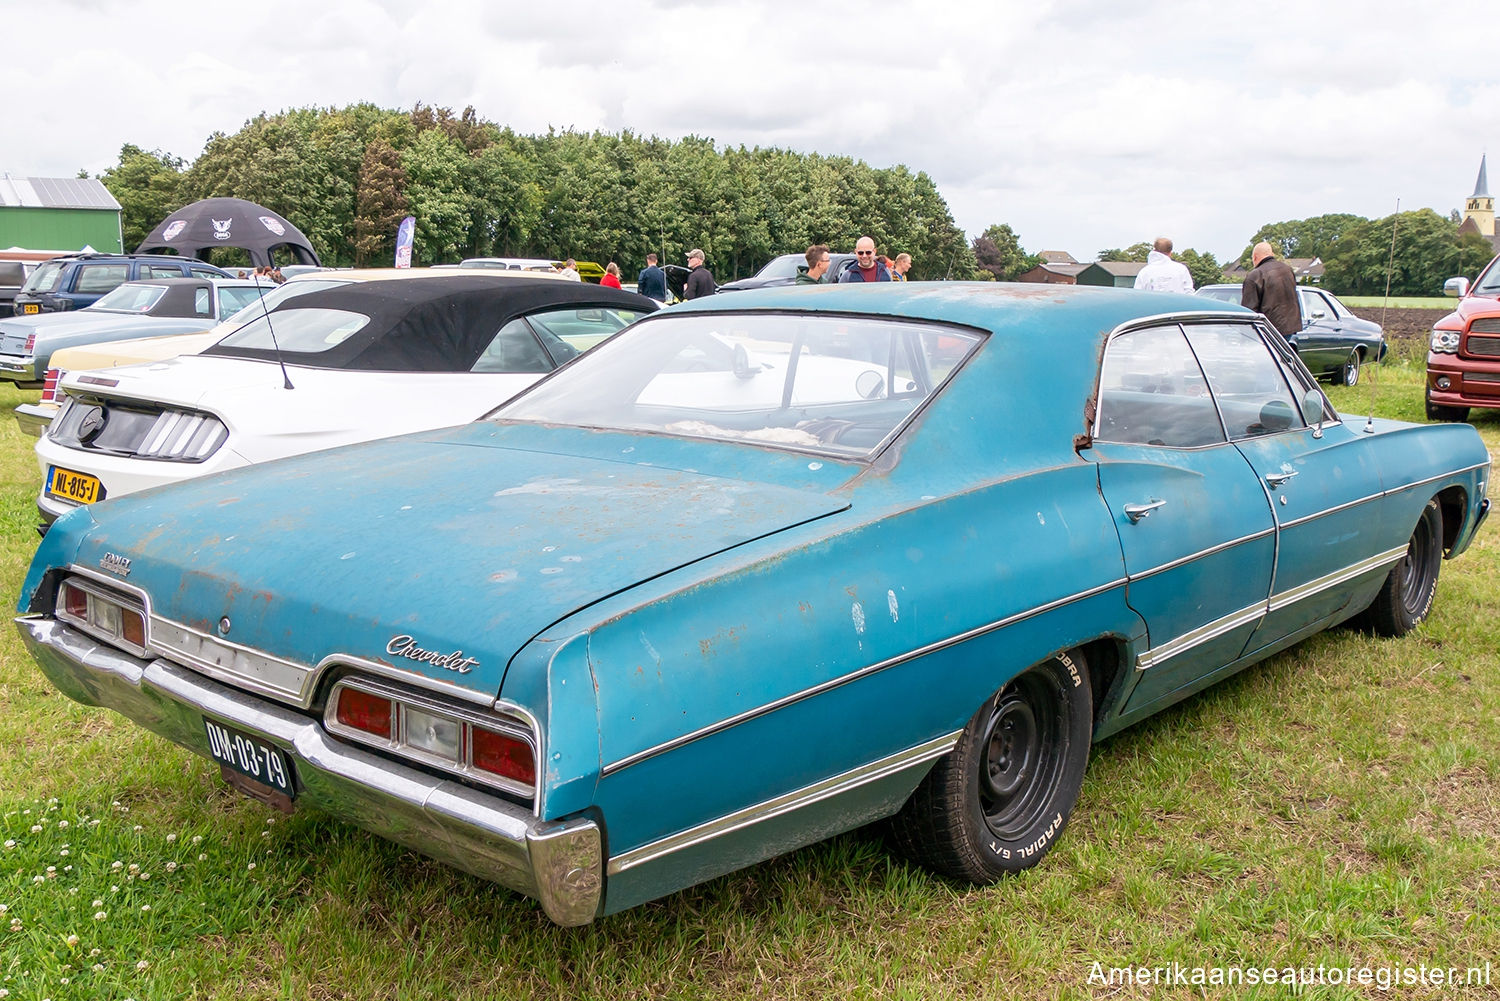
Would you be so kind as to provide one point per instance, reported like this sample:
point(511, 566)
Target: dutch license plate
point(252, 758)
point(30, 307)
point(81, 488)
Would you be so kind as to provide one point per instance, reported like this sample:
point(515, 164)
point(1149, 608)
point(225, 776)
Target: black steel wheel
point(999, 800)
point(1349, 374)
point(1406, 596)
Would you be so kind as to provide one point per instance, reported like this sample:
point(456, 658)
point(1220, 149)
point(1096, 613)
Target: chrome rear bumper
point(560, 863)
point(33, 418)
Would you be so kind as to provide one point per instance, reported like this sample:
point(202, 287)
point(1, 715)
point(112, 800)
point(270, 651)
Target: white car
point(331, 367)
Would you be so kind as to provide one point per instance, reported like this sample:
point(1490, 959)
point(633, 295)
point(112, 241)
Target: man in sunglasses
point(867, 267)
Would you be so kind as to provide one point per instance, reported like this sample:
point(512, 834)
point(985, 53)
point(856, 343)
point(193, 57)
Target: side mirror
point(1317, 314)
point(743, 367)
point(1312, 409)
point(1457, 287)
point(1276, 415)
point(870, 385)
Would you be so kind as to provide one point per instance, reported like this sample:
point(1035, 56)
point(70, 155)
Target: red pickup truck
point(1463, 358)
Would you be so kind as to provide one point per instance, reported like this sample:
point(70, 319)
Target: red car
point(1463, 359)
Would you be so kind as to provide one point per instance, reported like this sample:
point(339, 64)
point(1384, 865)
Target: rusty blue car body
point(769, 586)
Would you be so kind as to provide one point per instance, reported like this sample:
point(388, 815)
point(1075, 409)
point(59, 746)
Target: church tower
point(1479, 206)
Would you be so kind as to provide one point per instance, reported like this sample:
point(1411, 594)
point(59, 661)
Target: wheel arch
point(1453, 504)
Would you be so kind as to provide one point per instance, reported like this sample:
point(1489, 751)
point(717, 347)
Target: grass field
point(1338, 805)
point(1440, 302)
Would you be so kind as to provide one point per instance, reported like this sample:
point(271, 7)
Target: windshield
point(44, 278)
point(1488, 282)
point(300, 331)
point(784, 266)
point(130, 298)
point(838, 385)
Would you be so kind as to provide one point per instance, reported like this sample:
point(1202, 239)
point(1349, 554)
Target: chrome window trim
point(797, 799)
point(724, 724)
point(507, 725)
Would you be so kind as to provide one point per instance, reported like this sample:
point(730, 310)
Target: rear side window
point(100, 278)
point(1152, 392)
point(514, 349)
point(203, 302)
point(303, 331)
point(161, 271)
point(202, 273)
point(131, 298)
point(232, 300)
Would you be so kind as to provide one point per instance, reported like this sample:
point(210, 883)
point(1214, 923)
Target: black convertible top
point(432, 323)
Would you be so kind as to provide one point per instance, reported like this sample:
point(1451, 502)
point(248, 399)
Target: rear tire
point(1437, 412)
point(1349, 374)
point(1406, 596)
point(997, 802)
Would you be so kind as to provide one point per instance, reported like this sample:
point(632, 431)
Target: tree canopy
point(347, 176)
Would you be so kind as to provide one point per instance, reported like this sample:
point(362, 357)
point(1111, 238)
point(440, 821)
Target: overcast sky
point(1083, 125)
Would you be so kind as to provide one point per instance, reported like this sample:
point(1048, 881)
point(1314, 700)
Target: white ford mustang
point(332, 367)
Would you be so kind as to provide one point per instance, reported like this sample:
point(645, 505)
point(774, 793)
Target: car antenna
point(1390, 266)
point(286, 380)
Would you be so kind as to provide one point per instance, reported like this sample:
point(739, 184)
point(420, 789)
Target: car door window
point(162, 271)
point(580, 328)
point(201, 273)
point(1252, 394)
point(232, 300)
point(100, 278)
point(1152, 392)
point(514, 349)
point(1314, 307)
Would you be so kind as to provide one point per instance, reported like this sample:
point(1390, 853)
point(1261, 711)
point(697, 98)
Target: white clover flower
point(142, 965)
point(15, 924)
point(39, 879)
point(265, 834)
point(36, 828)
point(94, 823)
point(62, 825)
point(116, 864)
point(145, 907)
point(97, 967)
point(98, 903)
point(202, 857)
point(270, 821)
point(114, 889)
point(72, 941)
point(250, 866)
point(67, 868)
point(63, 853)
point(115, 803)
point(139, 828)
point(171, 867)
point(52, 870)
point(171, 838)
point(52, 801)
point(93, 952)
point(10, 842)
point(4, 993)
point(62, 980)
point(100, 915)
point(72, 890)
point(4, 908)
point(145, 875)
point(197, 838)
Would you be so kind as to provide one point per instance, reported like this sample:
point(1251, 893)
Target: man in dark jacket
point(867, 267)
point(700, 280)
point(1271, 288)
point(652, 281)
point(812, 272)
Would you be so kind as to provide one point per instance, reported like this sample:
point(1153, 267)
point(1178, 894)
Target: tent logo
point(273, 225)
point(221, 228)
point(173, 228)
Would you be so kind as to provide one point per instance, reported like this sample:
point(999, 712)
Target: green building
point(58, 213)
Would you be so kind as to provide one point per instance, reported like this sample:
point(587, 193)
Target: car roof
point(401, 274)
point(440, 324)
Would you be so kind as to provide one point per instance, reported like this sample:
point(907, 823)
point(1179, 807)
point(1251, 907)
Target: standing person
point(611, 275)
point(652, 281)
point(901, 267)
point(700, 280)
point(570, 270)
point(1161, 273)
point(811, 273)
point(867, 268)
point(1271, 288)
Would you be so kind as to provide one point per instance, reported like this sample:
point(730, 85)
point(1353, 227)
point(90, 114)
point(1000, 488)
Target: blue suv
point(74, 281)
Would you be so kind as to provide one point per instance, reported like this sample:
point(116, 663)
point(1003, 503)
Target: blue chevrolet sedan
point(757, 570)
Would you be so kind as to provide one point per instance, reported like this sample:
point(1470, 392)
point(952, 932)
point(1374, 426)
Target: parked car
point(783, 271)
point(1463, 357)
point(339, 365)
point(147, 307)
point(1333, 342)
point(12, 278)
point(33, 418)
point(74, 281)
point(700, 598)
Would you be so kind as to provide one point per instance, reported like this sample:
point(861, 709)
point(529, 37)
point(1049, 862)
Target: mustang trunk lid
point(422, 553)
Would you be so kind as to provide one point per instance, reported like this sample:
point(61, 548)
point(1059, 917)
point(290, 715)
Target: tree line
point(347, 176)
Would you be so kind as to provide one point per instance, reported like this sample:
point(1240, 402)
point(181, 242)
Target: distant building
point(59, 213)
point(1057, 257)
point(1116, 274)
point(1479, 210)
point(1309, 270)
point(1048, 273)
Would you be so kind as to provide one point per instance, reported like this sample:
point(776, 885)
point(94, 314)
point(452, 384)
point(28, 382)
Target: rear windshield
point(130, 298)
point(44, 278)
point(301, 331)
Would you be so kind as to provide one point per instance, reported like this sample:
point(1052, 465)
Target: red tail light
point(30, 343)
point(49, 385)
point(363, 711)
point(503, 755)
point(75, 602)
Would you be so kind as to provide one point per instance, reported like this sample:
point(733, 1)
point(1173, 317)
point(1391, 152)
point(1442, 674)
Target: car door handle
point(1277, 479)
point(1135, 512)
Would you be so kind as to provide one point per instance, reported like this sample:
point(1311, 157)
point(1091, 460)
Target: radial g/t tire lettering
point(999, 800)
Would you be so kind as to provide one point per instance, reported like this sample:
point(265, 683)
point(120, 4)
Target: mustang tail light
point(475, 745)
point(118, 621)
point(49, 384)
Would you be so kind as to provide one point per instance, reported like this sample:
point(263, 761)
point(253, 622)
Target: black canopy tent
point(195, 229)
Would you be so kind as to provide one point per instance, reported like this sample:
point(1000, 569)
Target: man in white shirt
point(1161, 273)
